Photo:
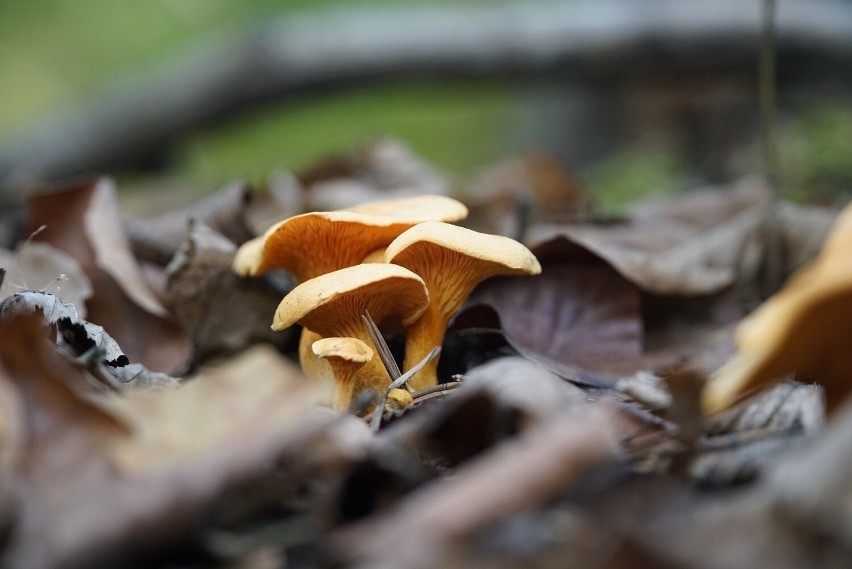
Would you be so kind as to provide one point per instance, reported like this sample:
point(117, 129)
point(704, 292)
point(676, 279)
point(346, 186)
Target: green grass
point(632, 173)
point(457, 126)
point(816, 154)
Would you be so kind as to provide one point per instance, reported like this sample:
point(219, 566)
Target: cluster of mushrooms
point(401, 261)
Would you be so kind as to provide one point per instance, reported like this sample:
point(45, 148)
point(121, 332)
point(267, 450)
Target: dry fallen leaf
point(579, 318)
point(107, 482)
point(694, 244)
point(425, 529)
point(222, 312)
point(84, 222)
point(237, 211)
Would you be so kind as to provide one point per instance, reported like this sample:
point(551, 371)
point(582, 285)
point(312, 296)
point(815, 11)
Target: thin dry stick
point(428, 392)
point(767, 94)
point(381, 346)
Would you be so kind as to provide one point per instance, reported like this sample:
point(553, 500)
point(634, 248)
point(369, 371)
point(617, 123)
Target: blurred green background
point(55, 53)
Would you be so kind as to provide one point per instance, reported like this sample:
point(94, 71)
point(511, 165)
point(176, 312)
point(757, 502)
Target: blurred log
point(127, 125)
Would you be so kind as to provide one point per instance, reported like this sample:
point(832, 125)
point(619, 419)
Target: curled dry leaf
point(691, 245)
point(81, 336)
point(579, 318)
point(84, 222)
point(88, 343)
point(222, 312)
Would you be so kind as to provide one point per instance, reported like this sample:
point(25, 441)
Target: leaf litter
point(150, 418)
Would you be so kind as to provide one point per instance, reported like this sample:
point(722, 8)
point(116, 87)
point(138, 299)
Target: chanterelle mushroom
point(313, 244)
point(804, 328)
point(346, 356)
point(451, 260)
point(333, 304)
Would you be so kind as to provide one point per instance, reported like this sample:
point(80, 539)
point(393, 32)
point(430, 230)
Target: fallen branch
point(127, 126)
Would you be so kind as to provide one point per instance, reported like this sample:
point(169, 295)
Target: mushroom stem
point(313, 366)
point(426, 333)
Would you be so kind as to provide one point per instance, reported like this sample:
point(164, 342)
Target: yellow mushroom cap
point(345, 356)
point(430, 207)
point(333, 303)
point(451, 260)
point(804, 328)
point(440, 247)
point(247, 260)
point(346, 349)
point(312, 244)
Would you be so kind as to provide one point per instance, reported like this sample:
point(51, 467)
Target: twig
point(381, 346)
point(225, 75)
point(435, 389)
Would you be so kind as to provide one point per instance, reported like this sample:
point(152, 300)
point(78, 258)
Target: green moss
point(457, 126)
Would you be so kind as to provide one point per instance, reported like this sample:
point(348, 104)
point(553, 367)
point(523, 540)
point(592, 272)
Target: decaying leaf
point(89, 343)
point(84, 222)
point(97, 480)
point(579, 317)
point(692, 245)
point(222, 311)
point(547, 461)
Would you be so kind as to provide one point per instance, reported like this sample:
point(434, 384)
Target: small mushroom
point(346, 356)
point(451, 260)
point(804, 328)
point(332, 305)
point(313, 244)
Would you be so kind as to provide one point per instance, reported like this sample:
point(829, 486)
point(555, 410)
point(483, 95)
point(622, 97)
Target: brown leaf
point(691, 245)
point(257, 395)
point(84, 222)
point(104, 484)
point(425, 529)
point(222, 311)
point(236, 211)
point(579, 318)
